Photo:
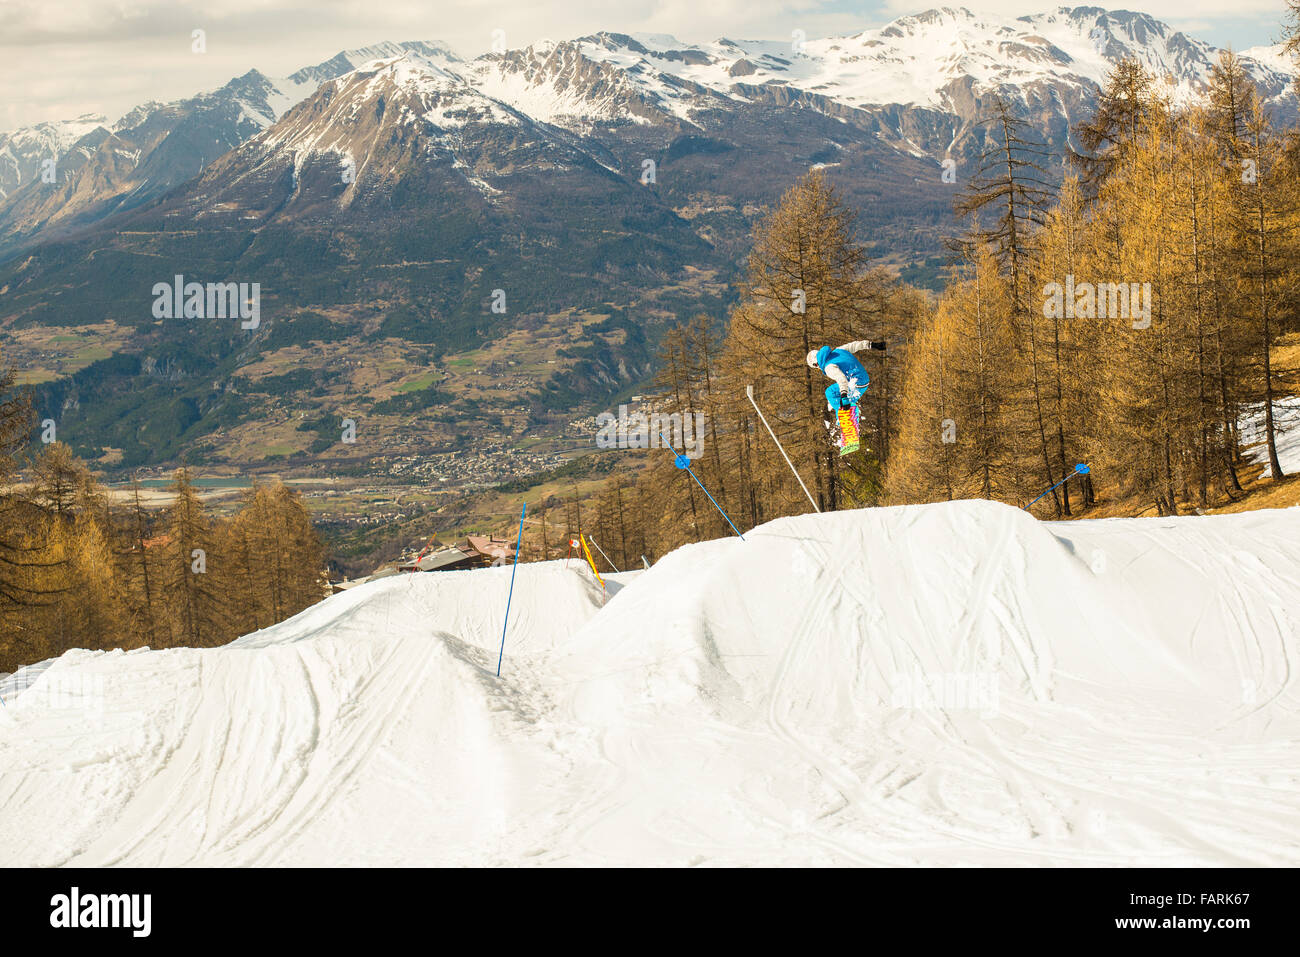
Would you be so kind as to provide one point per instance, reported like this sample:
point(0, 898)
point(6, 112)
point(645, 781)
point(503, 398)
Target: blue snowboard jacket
point(843, 366)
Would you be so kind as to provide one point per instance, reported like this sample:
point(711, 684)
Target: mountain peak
point(346, 61)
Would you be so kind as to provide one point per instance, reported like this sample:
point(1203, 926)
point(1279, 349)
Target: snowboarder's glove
point(878, 345)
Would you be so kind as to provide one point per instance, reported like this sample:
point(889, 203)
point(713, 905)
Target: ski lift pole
point(1079, 469)
point(749, 391)
point(513, 568)
point(602, 553)
point(684, 462)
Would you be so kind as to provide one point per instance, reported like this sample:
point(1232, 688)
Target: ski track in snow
point(740, 703)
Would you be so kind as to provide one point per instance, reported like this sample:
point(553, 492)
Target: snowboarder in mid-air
point(850, 380)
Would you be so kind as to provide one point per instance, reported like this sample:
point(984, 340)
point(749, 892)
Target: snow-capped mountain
point(1272, 56)
point(920, 84)
point(915, 61)
point(602, 79)
point(22, 151)
point(103, 168)
point(946, 61)
point(309, 78)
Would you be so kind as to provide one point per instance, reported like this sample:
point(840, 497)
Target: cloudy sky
point(63, 58)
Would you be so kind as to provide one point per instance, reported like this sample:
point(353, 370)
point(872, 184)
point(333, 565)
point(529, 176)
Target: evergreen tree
point(1112, 134)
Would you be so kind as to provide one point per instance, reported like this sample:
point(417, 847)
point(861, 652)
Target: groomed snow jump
point(947, 684)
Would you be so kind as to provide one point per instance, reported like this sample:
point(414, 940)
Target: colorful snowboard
point(847, 440)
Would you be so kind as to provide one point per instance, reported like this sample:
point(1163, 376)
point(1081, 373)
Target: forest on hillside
point(78, 571)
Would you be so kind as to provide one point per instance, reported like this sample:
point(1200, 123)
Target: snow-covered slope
point(1286, 419)
point(1273, 56)
point(946, 684)
point(22, 150)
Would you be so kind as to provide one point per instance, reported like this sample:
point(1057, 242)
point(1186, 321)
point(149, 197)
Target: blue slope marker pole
point(1079, 469)
point(683, 462)
point(513, 568)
